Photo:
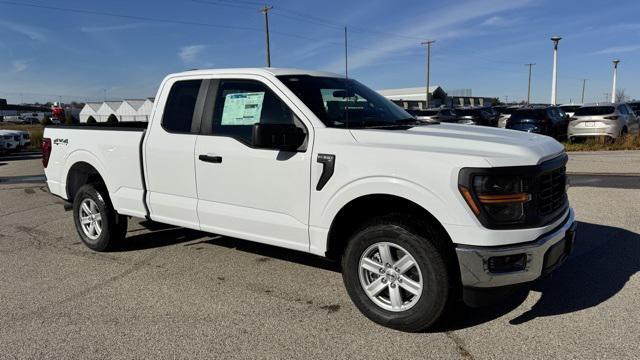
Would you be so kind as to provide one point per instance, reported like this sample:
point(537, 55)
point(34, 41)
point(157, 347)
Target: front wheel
point(97, 223)
point(397, 276)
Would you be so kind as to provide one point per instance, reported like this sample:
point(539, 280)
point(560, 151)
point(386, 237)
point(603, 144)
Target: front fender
point(416, 193)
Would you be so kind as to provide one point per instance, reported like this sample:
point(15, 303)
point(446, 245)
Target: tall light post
point(615, 78)
point(529, 86)
point(584, 84)
point(554, 76)
point(428, 44)
point(265, 11)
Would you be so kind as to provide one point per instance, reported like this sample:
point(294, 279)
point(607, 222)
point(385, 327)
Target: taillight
point(46, 151)
point(612, 117)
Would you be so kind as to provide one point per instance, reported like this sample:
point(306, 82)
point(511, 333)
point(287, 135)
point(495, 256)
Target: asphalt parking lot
point(175, 293)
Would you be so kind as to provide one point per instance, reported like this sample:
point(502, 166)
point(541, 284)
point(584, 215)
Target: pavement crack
point(41, 310)
point(460, 346)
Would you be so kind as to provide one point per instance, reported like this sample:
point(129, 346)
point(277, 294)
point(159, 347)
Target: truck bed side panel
point(114, 153)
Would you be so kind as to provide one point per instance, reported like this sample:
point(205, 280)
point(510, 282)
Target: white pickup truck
point(418, 214)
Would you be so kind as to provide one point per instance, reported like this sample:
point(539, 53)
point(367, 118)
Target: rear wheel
point(396, 275)
point(98, 225)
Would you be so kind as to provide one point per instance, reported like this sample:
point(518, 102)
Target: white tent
point(89, 109)
point(107, 108)
point(144, 112)
point(128, 111)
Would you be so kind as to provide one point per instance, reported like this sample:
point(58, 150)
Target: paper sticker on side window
point(242, 108)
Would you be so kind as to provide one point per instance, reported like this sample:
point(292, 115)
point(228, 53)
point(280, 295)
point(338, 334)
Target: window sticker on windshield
point(242, 108)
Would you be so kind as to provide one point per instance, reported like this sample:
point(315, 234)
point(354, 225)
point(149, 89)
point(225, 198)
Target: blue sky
point(482, 45)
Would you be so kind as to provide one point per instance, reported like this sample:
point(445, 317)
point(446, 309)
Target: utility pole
point(584, 83)
point(554, 79)
point(615, 78)
point(529, 86)
point(265, 11)
point(428, 44)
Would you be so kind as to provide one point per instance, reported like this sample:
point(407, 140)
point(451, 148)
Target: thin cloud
point(94, 29)
point(20, 65)
point(28, 31)
point(499, 21)
point(618, 49)
point(443, 25)
point(190, 53)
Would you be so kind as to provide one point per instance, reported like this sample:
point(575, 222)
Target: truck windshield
point(361, 107)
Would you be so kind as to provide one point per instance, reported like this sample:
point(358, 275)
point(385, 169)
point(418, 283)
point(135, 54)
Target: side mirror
point(287, 137)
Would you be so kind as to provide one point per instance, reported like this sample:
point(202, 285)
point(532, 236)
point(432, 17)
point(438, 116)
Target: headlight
point(501, 198)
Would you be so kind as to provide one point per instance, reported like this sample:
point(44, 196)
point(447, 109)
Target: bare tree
point(620, 95)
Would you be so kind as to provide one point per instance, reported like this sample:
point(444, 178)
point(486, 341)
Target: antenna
point(346, 79)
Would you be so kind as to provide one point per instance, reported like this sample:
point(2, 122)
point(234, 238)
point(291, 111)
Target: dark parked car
point(545, 120)
point(435, 115)
point(635, 106)
point(476, 116)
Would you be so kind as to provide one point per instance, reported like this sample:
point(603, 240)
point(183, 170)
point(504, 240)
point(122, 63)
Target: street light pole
point(428, 44)
point(265, 11)
point(584, 84)
point(554, 77)
point(615, 78)
point(529, 86)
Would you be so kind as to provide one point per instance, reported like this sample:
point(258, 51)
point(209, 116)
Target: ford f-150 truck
point(419, 215)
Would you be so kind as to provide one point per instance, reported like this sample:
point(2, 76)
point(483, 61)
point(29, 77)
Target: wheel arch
point(80, 174)
point(358, 210)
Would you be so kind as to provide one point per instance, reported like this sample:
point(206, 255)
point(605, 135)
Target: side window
point(242, 103)
point(623, 110)
point(181, 103)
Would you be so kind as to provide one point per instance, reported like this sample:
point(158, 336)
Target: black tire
point(114, 226)
point(428, 246)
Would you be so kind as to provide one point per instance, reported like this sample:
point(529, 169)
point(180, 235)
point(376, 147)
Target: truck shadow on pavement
point(603, 260)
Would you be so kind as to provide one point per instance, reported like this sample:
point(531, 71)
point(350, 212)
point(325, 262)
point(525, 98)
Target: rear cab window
point(180, 107)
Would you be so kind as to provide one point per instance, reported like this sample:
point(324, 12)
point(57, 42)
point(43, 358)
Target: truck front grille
point(552, 193)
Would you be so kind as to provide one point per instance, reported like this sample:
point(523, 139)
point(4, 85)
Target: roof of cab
point(258, 71)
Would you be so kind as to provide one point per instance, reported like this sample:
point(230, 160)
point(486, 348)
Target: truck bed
point(112, 149)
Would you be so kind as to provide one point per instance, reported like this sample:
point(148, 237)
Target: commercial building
point(415, 97)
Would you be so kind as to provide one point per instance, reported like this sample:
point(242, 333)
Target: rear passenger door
point(169, 153)
point(255, 194)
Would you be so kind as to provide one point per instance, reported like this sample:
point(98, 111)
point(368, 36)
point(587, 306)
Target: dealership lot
point(175, 293)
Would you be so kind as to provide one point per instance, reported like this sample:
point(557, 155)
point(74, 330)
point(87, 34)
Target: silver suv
point(610, 120)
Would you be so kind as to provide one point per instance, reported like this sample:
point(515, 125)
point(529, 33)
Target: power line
point(133, 17)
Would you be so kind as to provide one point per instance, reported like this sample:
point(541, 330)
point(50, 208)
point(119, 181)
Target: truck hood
point(499, 147)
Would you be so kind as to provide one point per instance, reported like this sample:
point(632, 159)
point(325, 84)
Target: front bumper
point(542, 257)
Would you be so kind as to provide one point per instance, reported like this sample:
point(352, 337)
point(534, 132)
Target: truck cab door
point(246, 192)
point(169, 153)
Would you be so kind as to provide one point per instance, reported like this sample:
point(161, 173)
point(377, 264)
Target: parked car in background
point(474, 116)
point(435, 115)
point(505, 114)
point(635, 106)
point(540, 119)
point(11, 140)
point(23, 138)
point(610, 120)
point(570, 109)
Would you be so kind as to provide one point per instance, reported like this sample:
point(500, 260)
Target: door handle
point(211, 159)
